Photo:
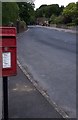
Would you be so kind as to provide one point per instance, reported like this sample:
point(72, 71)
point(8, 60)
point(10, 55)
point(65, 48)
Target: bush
point(56, 19)
point(22, 25)
point(71, 24)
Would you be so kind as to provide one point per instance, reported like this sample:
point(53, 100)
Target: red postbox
point(8, 59)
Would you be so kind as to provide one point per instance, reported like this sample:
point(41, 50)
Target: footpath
point(25, 101)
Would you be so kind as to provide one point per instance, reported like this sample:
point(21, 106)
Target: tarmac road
point(50, 56)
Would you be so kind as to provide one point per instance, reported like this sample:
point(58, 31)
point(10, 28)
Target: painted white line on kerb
point(27, 30)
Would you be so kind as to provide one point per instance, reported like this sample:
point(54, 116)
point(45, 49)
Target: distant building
point(42, 21)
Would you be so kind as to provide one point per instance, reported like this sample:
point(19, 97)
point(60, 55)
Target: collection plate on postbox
point(8, 58)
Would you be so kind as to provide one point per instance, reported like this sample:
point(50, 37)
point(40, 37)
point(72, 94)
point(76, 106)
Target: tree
point(61, 9)
point(0, 13)
point(52, 19)
point(26, 12)
point(41, 11)
point(48, 10)
point(52, 10)
point(70, 13)
point(56, 19)
point(10, 12)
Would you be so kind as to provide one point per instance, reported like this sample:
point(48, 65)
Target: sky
point(38, 3)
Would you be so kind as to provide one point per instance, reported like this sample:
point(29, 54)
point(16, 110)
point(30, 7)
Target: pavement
point(25, 101)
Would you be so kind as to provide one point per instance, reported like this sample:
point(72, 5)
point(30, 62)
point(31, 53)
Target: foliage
point(70, 13)
point(59, 15)
point(26, 12)
point(56, 19)
point(59, 20)
point(21, 10)
point(41, 11)
point(70, 9)
point(0, 13)
point(52, 19)
point(10, 12)
point(48, 10)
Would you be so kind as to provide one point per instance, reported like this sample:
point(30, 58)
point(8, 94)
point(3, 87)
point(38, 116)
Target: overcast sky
point(38, 3)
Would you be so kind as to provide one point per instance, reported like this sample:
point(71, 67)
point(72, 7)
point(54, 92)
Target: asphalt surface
point(50, 56)
point(25, 101)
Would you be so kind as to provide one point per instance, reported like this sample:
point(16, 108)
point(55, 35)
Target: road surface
point(50, 56)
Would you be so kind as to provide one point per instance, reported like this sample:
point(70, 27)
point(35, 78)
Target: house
point(42, 21)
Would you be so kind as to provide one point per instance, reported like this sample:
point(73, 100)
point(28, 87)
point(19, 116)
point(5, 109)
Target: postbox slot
point(7, 36)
